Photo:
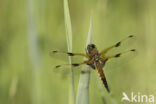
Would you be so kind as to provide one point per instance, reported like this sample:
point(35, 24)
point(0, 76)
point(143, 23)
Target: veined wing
point(64, 55)
point(100, 71)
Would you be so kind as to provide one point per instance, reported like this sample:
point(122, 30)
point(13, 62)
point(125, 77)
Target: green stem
point(69, 44)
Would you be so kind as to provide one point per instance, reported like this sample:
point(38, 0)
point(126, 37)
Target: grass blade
point(34, 53)
point(69, 45)
point(83, 87)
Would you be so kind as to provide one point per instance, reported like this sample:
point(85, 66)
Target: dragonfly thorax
point(96, 57)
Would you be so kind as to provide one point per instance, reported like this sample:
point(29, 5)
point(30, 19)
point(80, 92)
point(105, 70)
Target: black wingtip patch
point(133, 50)
point(105, 84)
point(58, 66)
point(118, 44)
point(117, 55)
point(54, 51)
point(70, 54)
point(130, 36)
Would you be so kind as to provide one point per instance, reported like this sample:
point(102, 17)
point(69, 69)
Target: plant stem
point(69, 44)
point(83, 87)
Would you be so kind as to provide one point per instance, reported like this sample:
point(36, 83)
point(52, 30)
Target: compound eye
point(93, 46)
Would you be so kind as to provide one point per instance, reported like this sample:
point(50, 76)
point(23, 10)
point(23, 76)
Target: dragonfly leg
point(114, 46)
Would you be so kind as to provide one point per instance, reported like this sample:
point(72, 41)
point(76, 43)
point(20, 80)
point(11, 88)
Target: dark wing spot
point(117, 55)
point(54, 51)
point(133, 50)
point(75, 64)
point(118, 44)
point(131, 36)
point(70, 54)
point(58, 66)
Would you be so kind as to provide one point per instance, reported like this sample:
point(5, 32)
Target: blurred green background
point(30, 29)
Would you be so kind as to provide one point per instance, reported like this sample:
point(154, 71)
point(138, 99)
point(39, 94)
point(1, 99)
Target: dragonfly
point(95, 59)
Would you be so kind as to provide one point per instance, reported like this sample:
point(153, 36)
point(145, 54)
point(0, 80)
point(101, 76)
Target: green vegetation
point(30, 29)
point(68, 29)
point(83, 87)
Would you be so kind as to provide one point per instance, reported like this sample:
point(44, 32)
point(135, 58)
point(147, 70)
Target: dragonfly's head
point(91, 47)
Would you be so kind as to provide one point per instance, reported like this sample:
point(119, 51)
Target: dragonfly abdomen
point(102, 75)
point(105, 83)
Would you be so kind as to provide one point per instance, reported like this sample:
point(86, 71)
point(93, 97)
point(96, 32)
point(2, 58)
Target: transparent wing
point(121, 62)
point(59, 57)
point(125, 59)
point(65, 68)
